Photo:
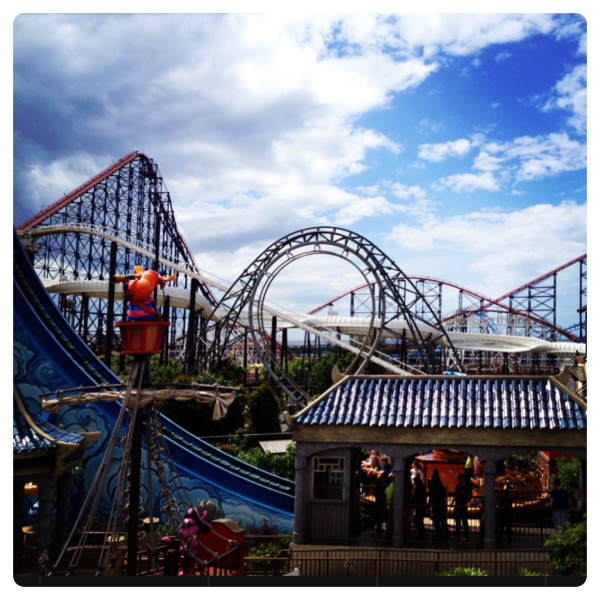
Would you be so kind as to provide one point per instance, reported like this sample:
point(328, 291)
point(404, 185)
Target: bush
point(263, 408)
point(569, 470)
point(464, 572)
point(265, 544)
point(282, 465)
point(523, 572)
point(568, 549)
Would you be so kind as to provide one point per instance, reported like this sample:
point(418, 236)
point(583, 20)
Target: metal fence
point(527, 524)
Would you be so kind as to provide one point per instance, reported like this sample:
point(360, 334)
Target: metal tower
point(129, 201)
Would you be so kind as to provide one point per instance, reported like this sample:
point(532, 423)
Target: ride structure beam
point(130, 200)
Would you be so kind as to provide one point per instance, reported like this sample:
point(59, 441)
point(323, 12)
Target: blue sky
point(456, 143)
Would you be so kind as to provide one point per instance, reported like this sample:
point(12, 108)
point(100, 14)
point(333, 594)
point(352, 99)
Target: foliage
point(299, 371)
point(569, 472)
point(171, 370)
point(315, 376)
point(265, 542)
point(524, 572)
point(167, 371)
point(568, 549)
point(320, 373)
point(227, 371)
point(282, 465)
point(464, 572)
point(263, 410)
point(195, 417)
point(267, 527)
point(168, 529)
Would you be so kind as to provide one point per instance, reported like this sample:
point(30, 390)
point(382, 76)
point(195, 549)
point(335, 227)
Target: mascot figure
point(192, 526)
point(139, 292)
point(203, 538)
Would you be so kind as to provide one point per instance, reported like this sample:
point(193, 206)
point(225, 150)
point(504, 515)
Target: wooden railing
point(376, 562)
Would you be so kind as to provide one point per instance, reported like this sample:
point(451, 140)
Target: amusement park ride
point(123, 218)
point(200, 542)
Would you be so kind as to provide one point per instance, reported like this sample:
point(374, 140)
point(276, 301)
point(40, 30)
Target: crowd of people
point(430, 498)
point(426, 497)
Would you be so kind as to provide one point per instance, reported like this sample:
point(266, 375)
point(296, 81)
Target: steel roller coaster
point(124, 216)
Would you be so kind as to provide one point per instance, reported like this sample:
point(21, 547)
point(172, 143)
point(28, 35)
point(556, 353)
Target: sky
point(456, 143)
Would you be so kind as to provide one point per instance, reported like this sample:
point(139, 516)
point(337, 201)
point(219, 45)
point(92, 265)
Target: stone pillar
point(301, 497)
point(63, 504)
point(45, 525)
point(489, 498)
point(398, 502)
point(18, 513)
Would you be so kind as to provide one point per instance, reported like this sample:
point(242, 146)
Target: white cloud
point(361, 208)
point(500, 249)
point(571, 96)
point(543, 156)
point(469, 182)
point(526, 158)
point(485, 161)
point(443, 150)
point(60, 177)
point(463, 34)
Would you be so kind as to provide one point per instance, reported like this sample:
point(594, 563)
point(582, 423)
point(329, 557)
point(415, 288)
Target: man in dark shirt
point(462, 497)
point(560, 503)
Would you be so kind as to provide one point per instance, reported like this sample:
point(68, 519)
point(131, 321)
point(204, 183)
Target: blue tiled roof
point(486, 402)
point(26, 439)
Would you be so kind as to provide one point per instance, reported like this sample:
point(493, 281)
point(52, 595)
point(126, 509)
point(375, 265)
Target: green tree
point(569, 470)
point(263, 409)
point(315, 376)
point(568, 549)
point(319, 372)
point(282, 465)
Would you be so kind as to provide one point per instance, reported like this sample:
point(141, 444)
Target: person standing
point(382, 480)
point(504, 514)
point(419, 502)
point(560, 503)
point(416, 469)
point(462, 497)
point(437, 503)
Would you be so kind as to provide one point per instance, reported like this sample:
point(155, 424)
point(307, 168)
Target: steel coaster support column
point(273, 357)
point(583, 300)
point(110, 313)
point(190, 366)
point(164, 350)
point(393, 295)
point(203, 345)
point(127, 199)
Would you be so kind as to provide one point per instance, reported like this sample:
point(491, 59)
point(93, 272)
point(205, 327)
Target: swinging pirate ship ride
point(195, 539)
